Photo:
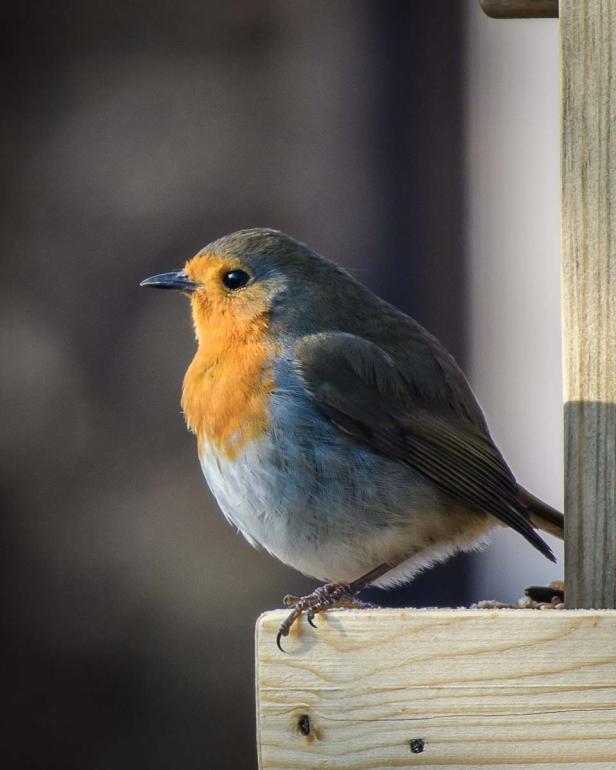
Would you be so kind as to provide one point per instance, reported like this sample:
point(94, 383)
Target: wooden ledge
point(392, 688)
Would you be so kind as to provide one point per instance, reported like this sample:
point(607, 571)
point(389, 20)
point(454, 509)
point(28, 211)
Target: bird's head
point(254, 278)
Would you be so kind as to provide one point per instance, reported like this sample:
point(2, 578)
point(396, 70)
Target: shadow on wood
point(590, 523)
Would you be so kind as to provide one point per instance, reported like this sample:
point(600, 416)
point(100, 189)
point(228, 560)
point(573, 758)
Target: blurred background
point(414, 143)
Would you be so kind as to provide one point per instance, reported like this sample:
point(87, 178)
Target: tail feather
point(543, 515)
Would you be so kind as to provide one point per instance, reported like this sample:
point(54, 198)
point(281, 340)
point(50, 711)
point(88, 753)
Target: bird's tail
point(543, 515)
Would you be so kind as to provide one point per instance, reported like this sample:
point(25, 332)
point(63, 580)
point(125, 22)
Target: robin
point(333, 429)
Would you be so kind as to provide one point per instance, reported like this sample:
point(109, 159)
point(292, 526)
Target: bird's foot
point(323, 598)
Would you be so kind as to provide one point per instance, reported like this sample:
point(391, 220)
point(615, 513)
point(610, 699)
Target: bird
point(334, 431)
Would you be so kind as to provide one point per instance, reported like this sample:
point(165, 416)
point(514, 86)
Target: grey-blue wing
point(369, 396)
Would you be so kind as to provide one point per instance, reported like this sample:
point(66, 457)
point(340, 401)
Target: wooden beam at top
point(520, 9)
point(588, 65)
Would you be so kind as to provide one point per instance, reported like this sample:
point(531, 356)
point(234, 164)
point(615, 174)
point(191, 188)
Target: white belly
point(336, 516)
point(242, 494)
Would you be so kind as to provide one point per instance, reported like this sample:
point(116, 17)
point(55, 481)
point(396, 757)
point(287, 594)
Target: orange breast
point(226, 391)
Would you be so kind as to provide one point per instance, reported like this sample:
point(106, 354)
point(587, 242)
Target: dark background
point(133, 134)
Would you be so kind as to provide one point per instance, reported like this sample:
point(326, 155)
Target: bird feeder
point(487, 689)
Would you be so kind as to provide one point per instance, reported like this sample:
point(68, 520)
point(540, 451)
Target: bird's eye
point(235, 279)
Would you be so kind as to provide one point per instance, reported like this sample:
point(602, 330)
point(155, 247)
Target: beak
point(179, 281)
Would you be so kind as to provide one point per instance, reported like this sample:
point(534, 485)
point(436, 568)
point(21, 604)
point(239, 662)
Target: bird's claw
point(322, 598)
point(290, 601)
point(285, 626)
point(279, 636)
point(310, 618)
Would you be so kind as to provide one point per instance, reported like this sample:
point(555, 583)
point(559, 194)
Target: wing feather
point(363, 391)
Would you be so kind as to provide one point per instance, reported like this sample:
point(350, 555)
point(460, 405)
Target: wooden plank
point(520, 9)
point(473, 688)
point(588, 61)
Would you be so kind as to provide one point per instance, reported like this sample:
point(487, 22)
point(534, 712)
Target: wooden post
point(588, 64)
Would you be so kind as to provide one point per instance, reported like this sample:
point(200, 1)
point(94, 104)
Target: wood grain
point(481, 688)
point(588, 61)
point(520, 9)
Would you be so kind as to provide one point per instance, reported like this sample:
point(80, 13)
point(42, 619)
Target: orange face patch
point(227, 385)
